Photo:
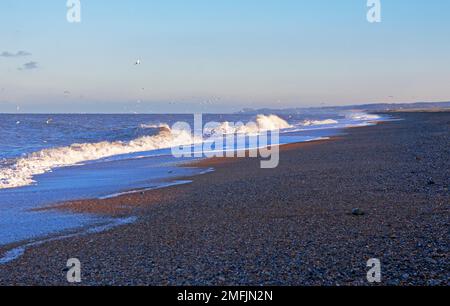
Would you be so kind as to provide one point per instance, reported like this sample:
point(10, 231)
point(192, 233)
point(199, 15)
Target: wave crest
point(362, 116)
point(319, 122)
point(22, 171)
point(262, 123)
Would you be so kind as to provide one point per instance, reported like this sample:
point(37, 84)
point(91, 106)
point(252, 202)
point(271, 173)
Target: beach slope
point(293, 225)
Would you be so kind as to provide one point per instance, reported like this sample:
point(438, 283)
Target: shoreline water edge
point(137, 171)
point(383, 170)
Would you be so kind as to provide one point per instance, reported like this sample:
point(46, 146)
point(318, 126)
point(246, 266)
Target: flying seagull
point(138, 62)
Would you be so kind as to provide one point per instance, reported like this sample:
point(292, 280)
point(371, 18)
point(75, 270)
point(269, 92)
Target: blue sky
point(220, 55)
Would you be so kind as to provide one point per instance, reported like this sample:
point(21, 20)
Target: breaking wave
point(155, 126)
point(319, 122)
point(362, 116)
point(262, 123)
point(22, 170)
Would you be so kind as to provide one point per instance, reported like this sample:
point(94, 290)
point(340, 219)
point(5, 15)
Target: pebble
point(358, 212)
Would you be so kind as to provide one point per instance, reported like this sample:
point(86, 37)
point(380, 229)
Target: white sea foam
point(262, 123)
point(319, 122)
point(155, 126)
point(21, 173)
point(271, 122)
point(362, 116)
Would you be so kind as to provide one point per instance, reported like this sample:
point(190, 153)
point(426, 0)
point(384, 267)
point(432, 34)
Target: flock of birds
point(137, 62)
point(67, 93)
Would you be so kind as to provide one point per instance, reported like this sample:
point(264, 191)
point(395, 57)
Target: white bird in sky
point(138, 62)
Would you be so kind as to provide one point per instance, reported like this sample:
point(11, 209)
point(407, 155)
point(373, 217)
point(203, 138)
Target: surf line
point(231, 140)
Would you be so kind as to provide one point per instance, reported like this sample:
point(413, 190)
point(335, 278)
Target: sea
point(51, 158)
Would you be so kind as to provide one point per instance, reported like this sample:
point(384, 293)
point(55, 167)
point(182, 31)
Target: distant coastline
point(377, 107)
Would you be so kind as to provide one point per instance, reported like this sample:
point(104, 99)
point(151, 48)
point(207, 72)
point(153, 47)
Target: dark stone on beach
point(358, 212)
point(430, 260)
point(433, 282)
